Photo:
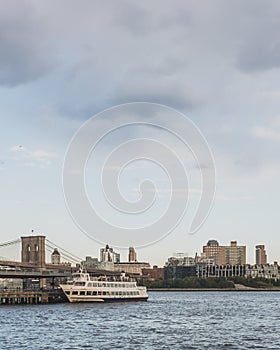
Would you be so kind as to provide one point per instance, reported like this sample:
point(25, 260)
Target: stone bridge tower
point(33, 250)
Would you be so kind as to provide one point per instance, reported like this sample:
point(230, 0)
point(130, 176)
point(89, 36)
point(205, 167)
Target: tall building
point(261, 257)
point(225, 255)
point(212, 250)
point(55, 257)
point(132, 255)
point(235, 255)
point(107, 254)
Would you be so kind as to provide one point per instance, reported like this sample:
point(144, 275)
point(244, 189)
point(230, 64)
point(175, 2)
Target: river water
point(169, 320)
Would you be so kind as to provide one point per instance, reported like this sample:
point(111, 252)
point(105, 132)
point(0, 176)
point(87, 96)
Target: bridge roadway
point(32, 266)
point(16, 269)
point(28, 270)
point(33, 274)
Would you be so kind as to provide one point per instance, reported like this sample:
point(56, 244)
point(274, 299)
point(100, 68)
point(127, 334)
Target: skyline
point(217, 63)
point(70, 257)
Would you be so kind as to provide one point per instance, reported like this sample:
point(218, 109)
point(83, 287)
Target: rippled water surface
point(174, 320)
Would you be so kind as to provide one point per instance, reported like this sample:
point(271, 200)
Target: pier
point(31, 297)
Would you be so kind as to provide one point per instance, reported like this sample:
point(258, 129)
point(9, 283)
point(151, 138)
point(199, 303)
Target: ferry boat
point(84, 288)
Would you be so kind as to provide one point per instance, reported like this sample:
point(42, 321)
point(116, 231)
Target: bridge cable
point(5, 244)
point(67, 252)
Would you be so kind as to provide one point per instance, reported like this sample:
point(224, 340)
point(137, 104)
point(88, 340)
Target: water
point(174, 320)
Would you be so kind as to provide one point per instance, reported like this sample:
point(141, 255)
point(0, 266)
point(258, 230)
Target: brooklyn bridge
point(33, 259)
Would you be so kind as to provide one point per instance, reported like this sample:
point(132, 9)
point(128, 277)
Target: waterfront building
point(261, 257)
point(154, 274)
point(211, 270)
point(110, 261)
point(179, 271)
point(90, 262)
point(134, 268)
point(7, 284)
point(179, 266)
point(224, 255)
point(180, 260)
point(268, 271)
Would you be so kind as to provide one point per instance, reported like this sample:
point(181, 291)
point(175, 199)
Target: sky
point(215, 62)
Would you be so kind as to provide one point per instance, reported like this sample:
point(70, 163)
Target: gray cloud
point(184, 55)
point(178, 98)
point(216, 61)
point(260, 43)
point(26, 53)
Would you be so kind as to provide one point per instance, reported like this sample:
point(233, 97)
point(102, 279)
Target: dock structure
point(31, 297)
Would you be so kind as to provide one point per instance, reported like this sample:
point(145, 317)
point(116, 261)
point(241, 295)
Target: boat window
point(88, 293)
point(89, 284)
point(82, 292)
point(67, 292)
point(99, 293)
point(95, 284)
point(79, 284)
point(75, 292)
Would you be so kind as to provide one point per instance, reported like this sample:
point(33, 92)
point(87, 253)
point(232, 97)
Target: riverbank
point(237, 289)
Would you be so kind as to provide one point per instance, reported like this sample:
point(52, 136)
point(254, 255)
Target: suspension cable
point(5, 244)
point(67, 258)
point(65, 251)
point(64, 255)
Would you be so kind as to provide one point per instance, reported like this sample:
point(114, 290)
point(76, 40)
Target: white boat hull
point(110, 293)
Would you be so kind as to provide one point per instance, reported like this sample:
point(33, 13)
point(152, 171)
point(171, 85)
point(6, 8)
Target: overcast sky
point(217, 62)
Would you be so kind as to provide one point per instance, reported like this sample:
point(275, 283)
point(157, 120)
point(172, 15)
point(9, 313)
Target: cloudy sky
point(216, 62)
